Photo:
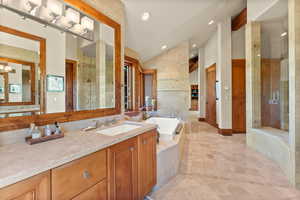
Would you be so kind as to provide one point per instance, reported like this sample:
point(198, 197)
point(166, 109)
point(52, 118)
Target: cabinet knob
point(86, 175)
point(131, 148)
point(145, 142)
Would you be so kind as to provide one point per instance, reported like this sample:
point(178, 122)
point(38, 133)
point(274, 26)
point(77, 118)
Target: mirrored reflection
point(93, 62)
point(79, 74)
point(275, 73)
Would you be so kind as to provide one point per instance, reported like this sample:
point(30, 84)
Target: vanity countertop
point(20, 161)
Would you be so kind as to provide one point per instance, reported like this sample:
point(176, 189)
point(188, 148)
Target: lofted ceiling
point(173, 21)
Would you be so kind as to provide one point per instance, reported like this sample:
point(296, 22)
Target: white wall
point(194, 77)
point(238, 44)
point(55, 52)
point(255, 8)
point(211, 50)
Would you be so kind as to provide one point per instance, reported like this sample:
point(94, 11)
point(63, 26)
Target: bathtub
point(166, 127)
point(170, 148)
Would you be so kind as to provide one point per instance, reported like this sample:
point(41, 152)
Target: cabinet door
point(146, 163)
point(34, 188)
point(123, 174)
point(97, 192)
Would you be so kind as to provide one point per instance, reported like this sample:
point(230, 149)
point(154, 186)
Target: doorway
point(211, 111)
point(150, 88)
point(71, 80)
point(239, 96)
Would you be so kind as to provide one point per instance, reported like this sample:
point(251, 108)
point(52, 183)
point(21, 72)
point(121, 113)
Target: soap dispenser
point(57, 128)
point(34, 131)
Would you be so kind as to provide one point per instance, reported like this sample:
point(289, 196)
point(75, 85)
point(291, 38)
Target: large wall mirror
point(59, 61)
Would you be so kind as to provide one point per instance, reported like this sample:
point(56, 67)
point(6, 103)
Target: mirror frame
point(43, 119)
point(32, 84)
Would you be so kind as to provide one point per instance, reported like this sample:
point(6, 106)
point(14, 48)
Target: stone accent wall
point(172, 80)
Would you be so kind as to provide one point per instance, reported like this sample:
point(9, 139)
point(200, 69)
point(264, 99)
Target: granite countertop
point(20, 161)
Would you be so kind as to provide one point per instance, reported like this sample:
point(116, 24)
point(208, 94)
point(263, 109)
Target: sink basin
point(113, 131)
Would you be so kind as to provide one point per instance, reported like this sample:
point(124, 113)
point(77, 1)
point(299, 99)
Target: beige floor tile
point(224, 168)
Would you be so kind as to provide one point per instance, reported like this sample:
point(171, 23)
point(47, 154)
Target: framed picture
point(55, 83)
point(14, 88)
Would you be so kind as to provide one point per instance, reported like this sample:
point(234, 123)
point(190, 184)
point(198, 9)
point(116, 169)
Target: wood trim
point(225, 132)
point(32, 78)
point(240, 20)
point(5, 76)
point(74, 70)
point(24, 122)
point(137, 76)
point(154, 84)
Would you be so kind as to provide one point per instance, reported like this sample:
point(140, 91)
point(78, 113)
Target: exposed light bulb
point(164, 47)
point(145, 16)
point(283, 34)
point(211, 22)
point(194, 45)
point(1, 67)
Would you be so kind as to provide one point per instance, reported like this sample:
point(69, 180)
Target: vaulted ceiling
point(173, 21)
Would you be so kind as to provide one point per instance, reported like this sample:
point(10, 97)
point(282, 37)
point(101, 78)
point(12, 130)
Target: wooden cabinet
point(75, 177)
point(146, 163)
point(123, 170)
point(34, 188)
point(97, 192)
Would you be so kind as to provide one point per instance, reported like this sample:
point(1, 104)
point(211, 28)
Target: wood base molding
point(201, 119)
point(225, 132)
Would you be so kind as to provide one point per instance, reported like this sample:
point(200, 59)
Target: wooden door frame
point(152, 72)
point(238, 62)
point(207, 70)
point(74, 75)
point(137, 94)
point(5, 77)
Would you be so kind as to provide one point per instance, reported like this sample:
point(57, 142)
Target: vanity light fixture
point(55, 7)
point(78, 28)
point(31, 6)
point(145, 16)
point(283, 34)
point(45, 14)
point(73, 16)
point(211, 22)
point(63, 22)
point(194, 45)
point(87, 23)
point(8, 68)
point(164, 47)
point(1, 67)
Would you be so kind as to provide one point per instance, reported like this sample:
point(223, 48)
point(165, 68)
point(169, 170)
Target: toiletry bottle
point(36, 133)
point(48, 131)
point(57, 128)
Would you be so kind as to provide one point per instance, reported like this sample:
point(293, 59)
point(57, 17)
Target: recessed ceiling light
point(164, 47)
point(194, 45)
point(283, 34)
point(211, 22)
point(145, 16)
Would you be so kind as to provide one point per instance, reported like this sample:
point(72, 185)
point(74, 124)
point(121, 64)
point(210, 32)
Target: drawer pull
point(86, 175)
point(145, 142)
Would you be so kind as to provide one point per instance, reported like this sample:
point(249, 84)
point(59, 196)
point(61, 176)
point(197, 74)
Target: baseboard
point(201, 119)
point(225, 132)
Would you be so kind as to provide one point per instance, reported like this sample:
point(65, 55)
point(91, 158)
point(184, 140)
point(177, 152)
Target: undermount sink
point(113, 131)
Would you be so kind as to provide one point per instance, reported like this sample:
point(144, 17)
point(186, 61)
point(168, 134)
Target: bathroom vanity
point(82, 166)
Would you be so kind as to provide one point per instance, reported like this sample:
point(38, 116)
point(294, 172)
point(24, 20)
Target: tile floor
point(224, 168)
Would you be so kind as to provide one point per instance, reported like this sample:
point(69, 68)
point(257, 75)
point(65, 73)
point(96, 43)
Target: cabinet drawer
point(97, 192)
point(77, 176)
